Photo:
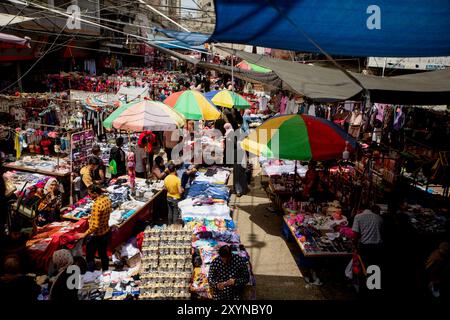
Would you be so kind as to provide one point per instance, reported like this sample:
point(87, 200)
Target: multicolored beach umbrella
point(244, 65)
point(149, 115)
point(193, 105)
point(227, 99)
point(113, 116)
point(299, 137)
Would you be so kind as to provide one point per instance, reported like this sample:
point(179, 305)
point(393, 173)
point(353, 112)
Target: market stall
point(319, 230)
point(206, 213)
point(127, 208)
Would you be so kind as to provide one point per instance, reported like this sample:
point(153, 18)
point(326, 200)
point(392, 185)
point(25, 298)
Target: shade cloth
point(407, 28)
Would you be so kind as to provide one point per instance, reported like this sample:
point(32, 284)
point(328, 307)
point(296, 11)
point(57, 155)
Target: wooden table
point(33, 170)
point(63, 178)
point(316, 254)
point(122, 232)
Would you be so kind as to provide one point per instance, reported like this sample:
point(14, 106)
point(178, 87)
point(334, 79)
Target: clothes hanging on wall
point(89, 66)
point(312, 110)
point(292, 107)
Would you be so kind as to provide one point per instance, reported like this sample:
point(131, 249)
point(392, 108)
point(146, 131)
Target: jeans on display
point(97, 244)
point(173, 212)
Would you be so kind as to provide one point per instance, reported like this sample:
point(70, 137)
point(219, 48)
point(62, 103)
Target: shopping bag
point(113, 167)
point(357, 265)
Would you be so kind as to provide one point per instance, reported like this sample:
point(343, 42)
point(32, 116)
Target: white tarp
point(9, 19)
point(129, 94)
point(79, 95)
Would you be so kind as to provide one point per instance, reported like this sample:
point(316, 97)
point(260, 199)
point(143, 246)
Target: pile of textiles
point(110, 285)
point(47, 163)
point(204, 208)
point(208, 237)
point(214, 191)
point(272, 167)
point(18, 179)
point(213, 175)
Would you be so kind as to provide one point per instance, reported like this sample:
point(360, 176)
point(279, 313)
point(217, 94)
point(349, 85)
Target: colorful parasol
point(193, 105)
point(148, 115)
point(252, 67)
point(299, 137)
point(227, 99)
point(113, 116)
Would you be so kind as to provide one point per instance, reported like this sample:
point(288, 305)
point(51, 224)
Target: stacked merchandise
point(81, 148)
point(426, 221)
point(205, 211)
point(209, 236)
point(272, 167)
point(123, 203)
point(167, 263)
point(319, 229)
point(43, 163)
point(16, 181)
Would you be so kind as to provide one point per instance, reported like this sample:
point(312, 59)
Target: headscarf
point(49, 183)
point(62, 259)
point(228, 128)
point(442, 253)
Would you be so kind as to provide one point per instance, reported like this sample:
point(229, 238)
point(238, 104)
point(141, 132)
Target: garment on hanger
point(292, 107)
point(283, 104)
point(263, 101)
point(312, 110)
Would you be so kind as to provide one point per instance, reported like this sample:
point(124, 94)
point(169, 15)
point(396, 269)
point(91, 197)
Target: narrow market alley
point(274, 259)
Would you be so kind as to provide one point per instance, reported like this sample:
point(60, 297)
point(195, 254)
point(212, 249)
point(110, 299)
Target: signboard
point(430, 63)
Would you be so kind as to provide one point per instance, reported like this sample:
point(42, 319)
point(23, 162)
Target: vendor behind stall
point(49, 206)
point(141, 158)
point(99, 173)
point(159, 171)
point(310, 181)
point(117, 156)
point(87, 175)
point(228, 275)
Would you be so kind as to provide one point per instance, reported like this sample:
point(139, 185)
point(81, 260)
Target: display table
point(44, 165)
point(319, 234)
point(123, 218)
point(52, 237)
point(48, 169)
point(315, 254)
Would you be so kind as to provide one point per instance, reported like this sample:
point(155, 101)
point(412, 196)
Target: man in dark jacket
point(118, 155)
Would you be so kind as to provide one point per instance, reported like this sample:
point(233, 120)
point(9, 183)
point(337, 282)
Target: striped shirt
point(369, 226)
point(98, 221)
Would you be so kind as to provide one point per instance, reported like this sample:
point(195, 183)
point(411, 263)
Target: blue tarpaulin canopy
point(384, 28)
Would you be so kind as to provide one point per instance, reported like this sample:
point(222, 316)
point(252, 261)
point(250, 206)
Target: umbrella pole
point(295, 179)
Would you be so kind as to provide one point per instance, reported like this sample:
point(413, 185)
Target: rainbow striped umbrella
point(227, 99)
point(299, 137)
point(193, 105)
point(108, 123)
point(148, 115)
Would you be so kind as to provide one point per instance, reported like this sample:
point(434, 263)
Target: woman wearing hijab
point(246, 119)
point(59, 290)
point(50, 205)
point(228, 142)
